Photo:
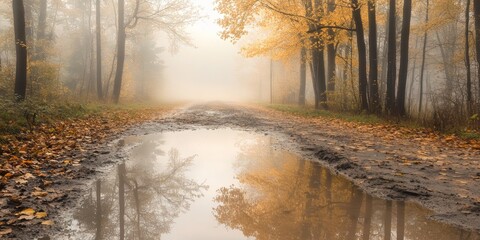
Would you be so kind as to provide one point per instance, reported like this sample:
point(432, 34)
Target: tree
point(99, 50)
point(170, 16)
point(121, 39)
point(467, 58)
point(21, 49)
point(373, 57)
point(424, 53)
point(41, 31)
point(303, 76)
point(362, 55)
point(404, 49)
point(315, 12)
point(391, 58)
point(331, 51)
point(476, 13)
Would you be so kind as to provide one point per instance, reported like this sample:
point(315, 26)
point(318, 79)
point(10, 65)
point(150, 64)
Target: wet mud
point(443, 179)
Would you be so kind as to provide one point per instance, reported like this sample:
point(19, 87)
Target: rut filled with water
point(228, 184)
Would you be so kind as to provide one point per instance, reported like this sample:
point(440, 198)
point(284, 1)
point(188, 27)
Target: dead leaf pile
point(31, 163)
point(390, 132)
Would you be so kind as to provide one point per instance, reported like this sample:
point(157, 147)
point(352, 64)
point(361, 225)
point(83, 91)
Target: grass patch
point(362, 118)
point(313, 113)
point(469, 135)
point(17, 117)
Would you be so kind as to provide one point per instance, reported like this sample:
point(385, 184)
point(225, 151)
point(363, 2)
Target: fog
point(213, 69)
point(174, 53)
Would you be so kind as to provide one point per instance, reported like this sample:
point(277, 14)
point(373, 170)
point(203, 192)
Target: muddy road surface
point(439, 177)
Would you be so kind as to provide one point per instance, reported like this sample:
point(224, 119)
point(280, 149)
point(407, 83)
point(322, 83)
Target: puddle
point(226, 184)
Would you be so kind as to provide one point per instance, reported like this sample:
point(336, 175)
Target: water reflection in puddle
point(226, 184)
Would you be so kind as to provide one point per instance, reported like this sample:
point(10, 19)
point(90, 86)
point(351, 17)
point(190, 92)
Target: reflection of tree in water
point(282, 197)
point(153, 196)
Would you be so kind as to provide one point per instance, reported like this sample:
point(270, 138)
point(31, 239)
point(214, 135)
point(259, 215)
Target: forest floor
point(441, 172)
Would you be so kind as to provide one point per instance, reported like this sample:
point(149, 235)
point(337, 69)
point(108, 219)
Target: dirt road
point(442, 178)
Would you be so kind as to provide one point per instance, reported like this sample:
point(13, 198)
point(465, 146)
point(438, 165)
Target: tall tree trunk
point(467, 58)
point(121, 38)
point(21, 49)
point(303, 76)
point(331, 52)
point(98, 215)
point(476, 13)
point(404, 49)
point(412, 80)
point(121, 198)
point(41, 31)
point(318, 61)
point(321, 79)
point(99, 50)
point(373, 56)
point(392, 58)
point(362, 55)
point(424, 54)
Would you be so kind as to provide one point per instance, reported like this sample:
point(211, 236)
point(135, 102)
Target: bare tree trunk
point(21, 49)
point(476, 13)
point(317, 65)
point(404, 50)
point(321, 79)
point(412, 80)
point(331, 53)
point(422, 70)
point(303, 76)
point(467, 58)
point(392, 59)
point(99, 50)
point(121, 38)
point(373, 56)
point(41, 31)
point(362, 55)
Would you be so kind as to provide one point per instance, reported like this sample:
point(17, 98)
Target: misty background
point(212, 69)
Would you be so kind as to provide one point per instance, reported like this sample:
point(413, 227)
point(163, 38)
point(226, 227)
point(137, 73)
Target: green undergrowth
point(18, 117)
point(311, 112)
point(469, 135)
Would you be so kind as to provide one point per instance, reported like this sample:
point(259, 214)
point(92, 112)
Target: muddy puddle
point(227, 184)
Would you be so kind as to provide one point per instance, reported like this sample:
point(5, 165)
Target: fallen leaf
point(40, 214)
point(28, 212)
point(47, 222)
point(26, 217)
point(39, 194)
point(5, 231)
point(21, 181)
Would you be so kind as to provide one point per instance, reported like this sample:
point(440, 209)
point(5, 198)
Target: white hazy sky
point(213, 69)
